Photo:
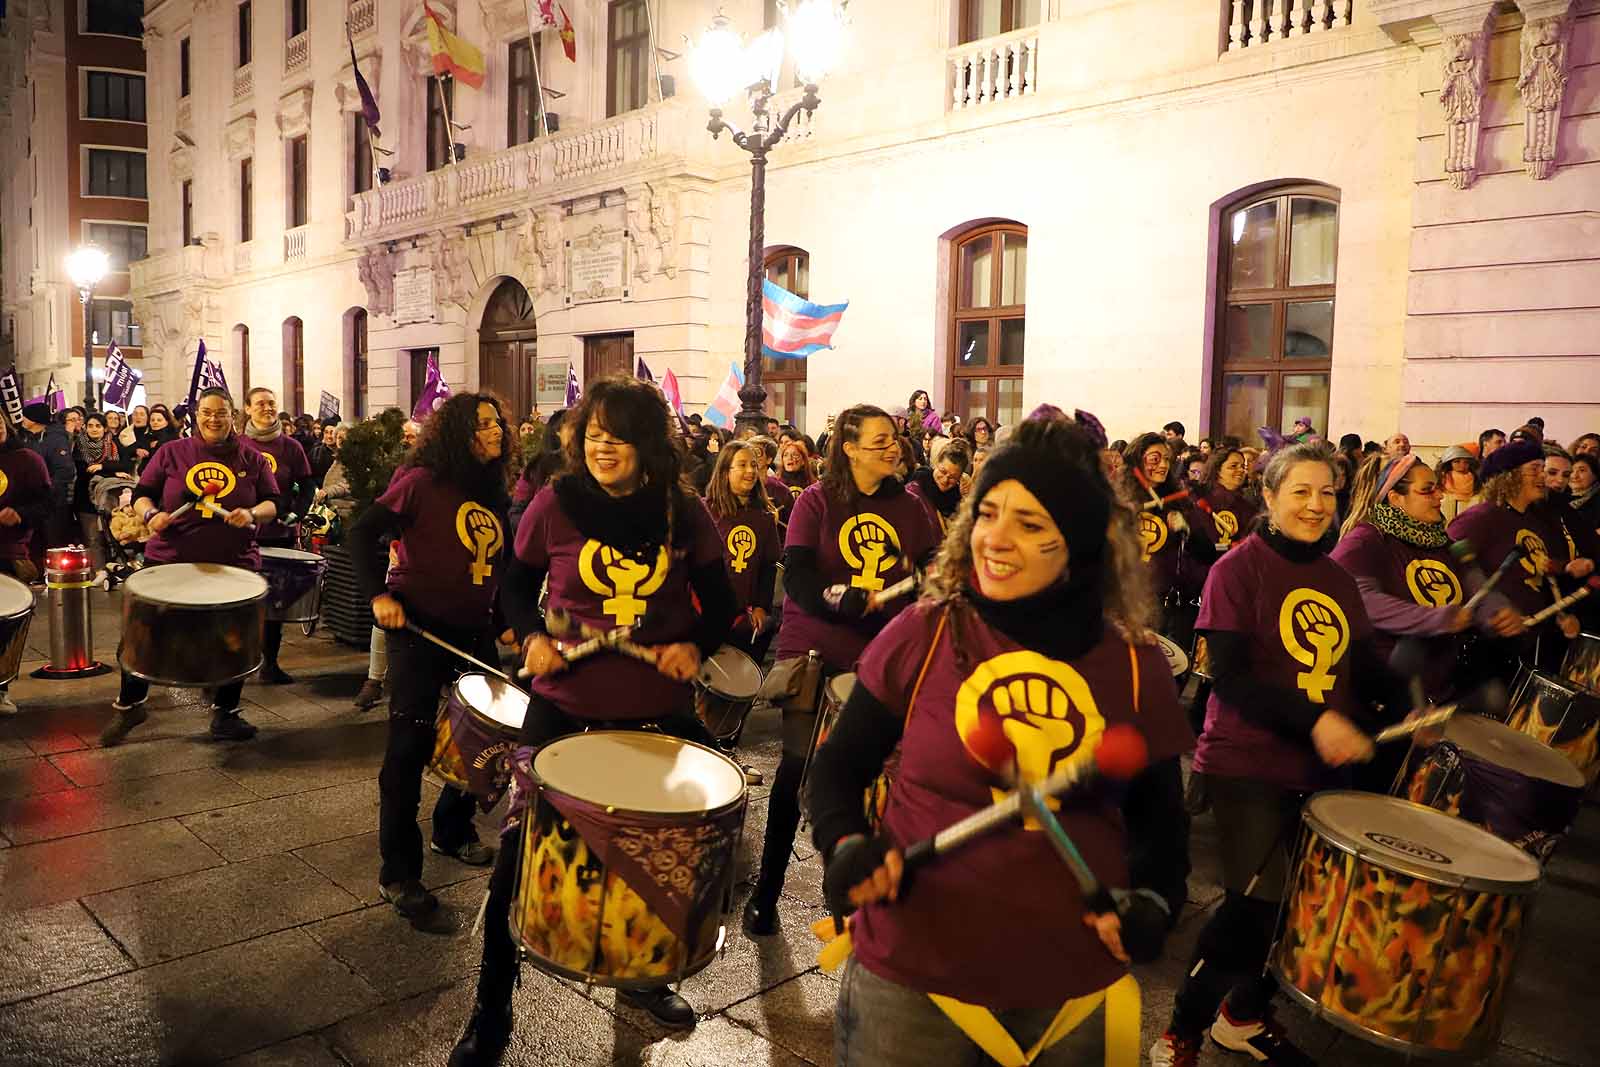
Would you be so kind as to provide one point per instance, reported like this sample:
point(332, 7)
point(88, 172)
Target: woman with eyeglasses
point(622, 499)
point(218, 529)
point(1148, 474)
point(852, 535)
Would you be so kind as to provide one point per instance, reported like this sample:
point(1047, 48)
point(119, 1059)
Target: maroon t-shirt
point(1493, 530)
point(289, 465)
point(1226, 518)
point(750, 544)
point(781, 497)
point(447, 562)
point(1425, 577)
point(1160, 548)
point(23, 480)
point(218, 478)
point(1000, 923)
point(869, 547)
point(602, 588)
point(1300, 620)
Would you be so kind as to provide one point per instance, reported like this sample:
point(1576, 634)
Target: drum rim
point(743, 799)
point(153, 680)
point(1416, 868)
point(1318, 1010)
point(736, 698)
point(1178, 666)
point(32, 604)
point(284, 552)
point(495, 724)
point(1466, 721)
point(132, 597)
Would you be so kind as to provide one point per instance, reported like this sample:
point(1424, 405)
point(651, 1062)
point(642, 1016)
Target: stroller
point(109, 493)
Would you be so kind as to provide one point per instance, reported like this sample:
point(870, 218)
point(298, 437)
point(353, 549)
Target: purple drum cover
point(469, 751)
point(1562, 716)
point(1531, 813)
point(289, 579)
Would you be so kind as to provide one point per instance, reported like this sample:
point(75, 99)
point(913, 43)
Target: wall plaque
point(413, 295)
point(597, 266)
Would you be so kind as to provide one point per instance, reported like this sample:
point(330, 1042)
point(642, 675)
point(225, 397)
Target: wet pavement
point(180, 901)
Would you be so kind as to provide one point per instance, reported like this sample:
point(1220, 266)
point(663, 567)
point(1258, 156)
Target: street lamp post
point(722, 64)
point(86, 266)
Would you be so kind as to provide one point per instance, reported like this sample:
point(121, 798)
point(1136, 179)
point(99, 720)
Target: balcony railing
point(185, 113)
point(1254, 23)
point(243, 257)
point(294, 243)
point(502, 180)
point(296, 52)
point(994, 69)
point(362, 16)
point(167, 271)
point(244, 84)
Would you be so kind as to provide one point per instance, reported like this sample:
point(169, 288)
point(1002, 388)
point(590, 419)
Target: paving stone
point(286, 823)
point(30, 776)
point(53, 947)
point(194, 912)
point(298, 761)
point(118, 803)
point(713, 1043)
point(200, 1009)
point(352, 863)
point(140, 758)
point(797, 1015)
point(399, 960)
point(91, 863)
point(299, 1052)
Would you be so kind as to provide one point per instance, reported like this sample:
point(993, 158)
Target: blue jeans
point(879, 1023)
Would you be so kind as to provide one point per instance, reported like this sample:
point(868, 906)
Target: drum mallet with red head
point(1530, 621)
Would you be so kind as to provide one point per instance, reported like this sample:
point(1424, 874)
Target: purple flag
point(211, 376)
point(194, 378)
point(572, 387)
point(369, 103)
point(56, 395)
point(434, 391)
point(120, 380)
point(643, 373)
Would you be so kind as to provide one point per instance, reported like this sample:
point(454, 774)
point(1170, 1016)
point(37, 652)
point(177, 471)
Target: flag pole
point(449, 124)
point(538, 74)
point(655, 56)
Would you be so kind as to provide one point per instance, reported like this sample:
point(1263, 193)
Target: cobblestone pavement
point(180, 901)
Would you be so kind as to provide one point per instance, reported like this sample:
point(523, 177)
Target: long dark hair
point(837, 480)
point(720, 497)
point(633, 411)
point(445, 448)
point(1133, 460)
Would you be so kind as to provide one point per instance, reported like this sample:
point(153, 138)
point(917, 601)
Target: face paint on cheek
point(1050, 548)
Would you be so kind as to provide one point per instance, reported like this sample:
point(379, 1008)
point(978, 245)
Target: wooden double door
point(507, 346)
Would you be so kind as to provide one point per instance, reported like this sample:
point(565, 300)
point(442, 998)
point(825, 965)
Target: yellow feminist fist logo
point(625, 582)
point(741, 545)
point(870, 547)
point(1152, 535)
point(1227, 524)
point(1432, 584)
point(480, 531)
point(5, 483)
point(1045, 707)
point(1316, 633)
point(209, 480)
point(1536, 560)
point(272, 461)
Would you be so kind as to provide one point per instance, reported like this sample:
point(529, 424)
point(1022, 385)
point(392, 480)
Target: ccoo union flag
point(792, 328)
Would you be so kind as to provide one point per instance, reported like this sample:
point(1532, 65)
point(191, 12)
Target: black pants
point(135, 690)
point(419, 670)
point(271, 642)
point(783, 804)
point(543, 724)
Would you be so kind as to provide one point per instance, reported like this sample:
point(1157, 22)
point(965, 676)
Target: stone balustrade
point(294, 244)
point(361, 16)
point(243, 257)
point(167, 271)
point(1255, 23)
point(244, 84)
point(994, 69)
point(296, 52)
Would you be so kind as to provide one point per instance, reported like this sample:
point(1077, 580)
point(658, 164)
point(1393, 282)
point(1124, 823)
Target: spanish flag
point(451, 55)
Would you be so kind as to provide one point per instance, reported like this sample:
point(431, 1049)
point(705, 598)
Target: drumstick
point(560, 623)
point(1160, 503)
point(1512, 559)
point(1411, 726)
point(1144, 480)
point(1530, 621)
point(903, 586)
point(453, 650)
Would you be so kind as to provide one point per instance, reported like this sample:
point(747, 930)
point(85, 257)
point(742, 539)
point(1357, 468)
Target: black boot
point(486, 1037)
point(665, 1007)
point(760, 915)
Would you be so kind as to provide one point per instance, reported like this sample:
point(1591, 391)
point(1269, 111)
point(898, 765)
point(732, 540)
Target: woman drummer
point(264, 433)
point(445, 511)
point(1395, 546)
point(1294, 668)
point(233, 492)
point(794, 466)
point(624, 544)
point(1148, 474)
point(1037, 591)
point(853, 534)
point(747, 529)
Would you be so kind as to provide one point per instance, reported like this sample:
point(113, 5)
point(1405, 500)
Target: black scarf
point(1299, 551)
point(635, 525)
point(1063, 622)
point(944, 501)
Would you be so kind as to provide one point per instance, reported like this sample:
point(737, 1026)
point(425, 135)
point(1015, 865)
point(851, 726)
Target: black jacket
point(55, 448)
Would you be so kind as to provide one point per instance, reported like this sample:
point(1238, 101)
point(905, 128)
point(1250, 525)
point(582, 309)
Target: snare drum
point(725, 691)
point(1581, 666)
point(294, 584)
point(1403, 923)
point(627, 857)
point(16, 612)
point(1561, 715)
point(478, 727)
point(1501, 779)
point(1177, 659)
point(193, 625)
point(834, 696)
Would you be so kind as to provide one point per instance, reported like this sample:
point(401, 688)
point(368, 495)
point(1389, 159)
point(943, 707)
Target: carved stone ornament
point(539, 248)
point(1466, 63)
point(344, 90)
point(638, 215)
point(181, 162)
point(375, 268)
point(294, 113)
point(241, 137)
point(504, 18)
point(414, 36)
point(652, 214)
point(452, 273)
point(1543, 81)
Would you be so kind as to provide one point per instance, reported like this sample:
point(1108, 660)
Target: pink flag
point(669, 387)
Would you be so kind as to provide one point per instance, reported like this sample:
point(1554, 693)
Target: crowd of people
point(997, 592)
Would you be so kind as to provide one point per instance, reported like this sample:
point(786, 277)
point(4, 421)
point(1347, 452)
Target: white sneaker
point(1260, 1039)
point(7, 705)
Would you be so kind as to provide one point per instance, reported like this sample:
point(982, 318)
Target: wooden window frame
point(298, 165)
point(1275, 366)
point(1010, 13)
point(247, 199)
point(184, 81)
point(514, 85)
point(105, 79)
point(186, 202)
point(786, 371)
point(361, 367)
point(294, 330)
point(996, 313)
point(244, 35)
point(360, 156)
point(637, 42)
point(438, 139)
point(296, 18)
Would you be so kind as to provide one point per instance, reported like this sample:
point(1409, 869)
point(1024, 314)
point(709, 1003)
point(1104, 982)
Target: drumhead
point(639, 771)
point(195, 585)
point(839, 687)
point(1177, 659)
point(290, 555)
point(1421, 842)
point(1497, 743)
point(493, 699)
point(15, 597)
point(732, 674)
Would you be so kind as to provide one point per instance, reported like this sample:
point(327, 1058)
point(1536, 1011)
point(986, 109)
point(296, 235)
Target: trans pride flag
point(792, 328)
point(726, 403)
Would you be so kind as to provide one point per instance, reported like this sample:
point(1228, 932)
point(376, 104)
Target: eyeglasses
point(605, 442)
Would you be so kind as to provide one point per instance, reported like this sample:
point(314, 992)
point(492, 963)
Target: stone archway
point(507, 345)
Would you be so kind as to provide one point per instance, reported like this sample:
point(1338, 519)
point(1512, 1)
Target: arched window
point(241, 344)
point(355, 368)
point(785, 379)
point(988, 317)
point(294, 366)
point(1273, 358)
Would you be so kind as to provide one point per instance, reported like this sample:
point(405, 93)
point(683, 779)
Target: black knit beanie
point(1056, 462)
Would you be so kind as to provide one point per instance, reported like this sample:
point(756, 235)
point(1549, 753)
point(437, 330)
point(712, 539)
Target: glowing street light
point(86, 265)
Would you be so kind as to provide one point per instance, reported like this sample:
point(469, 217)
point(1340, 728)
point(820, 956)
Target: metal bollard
point(68, 576)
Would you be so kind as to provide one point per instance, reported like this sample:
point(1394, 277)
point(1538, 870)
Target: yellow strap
point(1133, 662)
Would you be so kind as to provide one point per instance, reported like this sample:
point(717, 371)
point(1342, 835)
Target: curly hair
point(1128, 603)
point(720, 497)
point(1503, 488)
point(445, 448)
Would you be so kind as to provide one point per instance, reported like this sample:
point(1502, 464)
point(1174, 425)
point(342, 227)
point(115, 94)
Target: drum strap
point(933, 646)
